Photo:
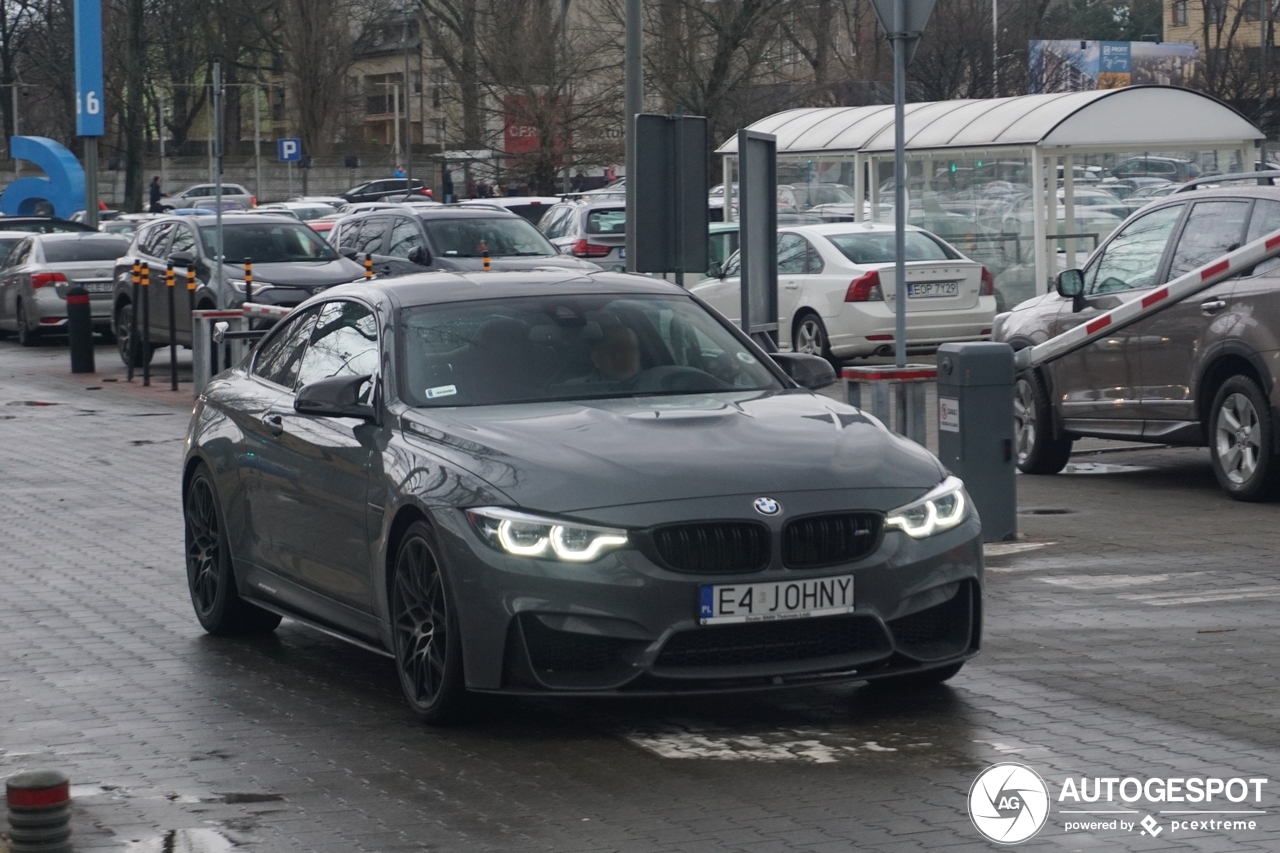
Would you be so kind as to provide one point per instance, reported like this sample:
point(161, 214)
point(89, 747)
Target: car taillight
point(253, 201)
point(40, 279)
point(583, 249)
point(865, 288)
point(988, 287)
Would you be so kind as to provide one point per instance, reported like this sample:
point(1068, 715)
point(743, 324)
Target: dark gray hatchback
point(549, 483)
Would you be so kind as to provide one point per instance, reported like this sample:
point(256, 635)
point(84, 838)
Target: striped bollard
point(39, 812)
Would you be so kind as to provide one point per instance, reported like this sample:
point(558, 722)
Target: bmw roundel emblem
point(767, 506)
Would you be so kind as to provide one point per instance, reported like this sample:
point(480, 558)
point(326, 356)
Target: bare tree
point(317, 37)
point(453, 30)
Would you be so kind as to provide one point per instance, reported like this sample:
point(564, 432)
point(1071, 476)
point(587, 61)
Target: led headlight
point(527, 535)
point(238, 285)
point(942, 509)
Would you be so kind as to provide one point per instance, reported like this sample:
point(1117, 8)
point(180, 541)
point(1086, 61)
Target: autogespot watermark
point(1010, 803)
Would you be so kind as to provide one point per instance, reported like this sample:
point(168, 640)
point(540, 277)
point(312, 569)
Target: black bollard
point(173, 330)
point(39, 812)
point(146, 324)
point(368, 265)
point(133, 319)
point(80, 328)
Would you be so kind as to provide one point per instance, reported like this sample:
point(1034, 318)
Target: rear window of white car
point(877, 248)
point(607, 221)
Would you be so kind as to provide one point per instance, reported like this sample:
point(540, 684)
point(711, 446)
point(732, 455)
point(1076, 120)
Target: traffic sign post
point(90, 118)
point(289, 151)
point(904, 21)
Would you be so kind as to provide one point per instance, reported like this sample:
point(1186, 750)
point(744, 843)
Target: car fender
point(1206, 375)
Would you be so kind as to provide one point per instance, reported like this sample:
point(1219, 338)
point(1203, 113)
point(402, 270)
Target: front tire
point(425, 622)
point(210, 579)
point(810, 336)
point(1241, 440)
point(124, 342)
point(1039, 451)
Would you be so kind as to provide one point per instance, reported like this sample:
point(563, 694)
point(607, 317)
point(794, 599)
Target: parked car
point(9, 239)
point(518, 483)
point(1169, 168)
point(375, 190)
point(411, 239)
point(1199, 372)
point(290, 263)
point(532, 208)
point(593, 229)
point(305, 211)
point(334, 201)
point(203, 196)
point(39, 270)
point(836, 290)
point(42, 225)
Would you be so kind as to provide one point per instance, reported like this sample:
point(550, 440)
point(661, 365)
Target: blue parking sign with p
point(289, 150)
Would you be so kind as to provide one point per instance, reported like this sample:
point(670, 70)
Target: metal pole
point(173, 329)
point(633, 103)
point(1266, 83)
point(134, 349)
point(288, 167)
point(146, 324)
point(395, 112)
point(995, 49)
point(164, 163)
point(17, 169)
point(408, 120)
point(899, 183)
point(91, 181)
point(257, 144)
point(217, 175)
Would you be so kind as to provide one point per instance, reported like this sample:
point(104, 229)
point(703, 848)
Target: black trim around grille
point(825, 540)
point(789, 640)
point(940, 631)
point(712, 547)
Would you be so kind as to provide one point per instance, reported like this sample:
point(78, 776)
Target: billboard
point(1073, 65)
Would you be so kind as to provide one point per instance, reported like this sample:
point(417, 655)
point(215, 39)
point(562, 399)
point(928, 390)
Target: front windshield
point(567, 347)
point(501, 237)
point(267, 243)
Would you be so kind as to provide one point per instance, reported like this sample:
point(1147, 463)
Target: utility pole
point(899, 183)
point(633, 103)
point(408, 101)
point(17, 167)
point(995, 48)
point(257, 141)
point(1264, 100)
point(164, 161)
point(217, 174)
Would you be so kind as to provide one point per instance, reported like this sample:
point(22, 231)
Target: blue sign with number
point(289, 150)
point(90, 117)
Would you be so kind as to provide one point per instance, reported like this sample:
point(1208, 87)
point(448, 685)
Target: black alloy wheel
point(427, 647)
point(218, 605)
point(27, 336)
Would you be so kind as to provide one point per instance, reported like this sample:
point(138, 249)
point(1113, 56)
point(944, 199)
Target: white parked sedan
point(836, 290)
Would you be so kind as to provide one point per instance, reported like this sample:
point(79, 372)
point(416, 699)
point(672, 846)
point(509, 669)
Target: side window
point(813, 264)
point(792, 249)
point(404, 237)
point(733, 266)
point(369, 237)
point(553, 225)
point(1132, 259)
point(1265, 220)
point(19, 255)
point(344, 343)
point(1213, 229)
point(154, 240)
point(184, 240)
point(280, 355)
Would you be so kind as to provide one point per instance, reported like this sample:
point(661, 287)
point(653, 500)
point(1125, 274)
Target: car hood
point(571, 456)
point(541, 262)
point(339, 271)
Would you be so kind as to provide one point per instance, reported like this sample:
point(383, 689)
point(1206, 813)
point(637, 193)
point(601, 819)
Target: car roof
point(1235, 190)
point(19, 234)
point(67, 236)
point(228, 218)
point(510, 201)
point(845, 228)
point(432, 288)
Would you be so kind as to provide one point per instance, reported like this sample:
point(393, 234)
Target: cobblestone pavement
point(1132, 632)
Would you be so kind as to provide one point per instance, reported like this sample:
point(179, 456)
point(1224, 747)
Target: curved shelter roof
point(1164, 116)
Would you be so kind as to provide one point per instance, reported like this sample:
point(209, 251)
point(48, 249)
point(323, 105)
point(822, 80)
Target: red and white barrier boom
point(254, 309)
point(1232, 264)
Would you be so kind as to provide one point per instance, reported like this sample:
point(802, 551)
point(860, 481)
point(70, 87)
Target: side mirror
point(335, 397)
point(715, 271)
point(350, 253)
point(1071, 285)
point(808, 371)
point(183, 259)
point(420, 256)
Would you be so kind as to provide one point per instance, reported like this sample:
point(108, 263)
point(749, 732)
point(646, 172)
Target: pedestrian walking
point(155, 194)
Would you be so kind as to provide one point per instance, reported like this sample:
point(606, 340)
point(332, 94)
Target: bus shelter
point(1028, 185)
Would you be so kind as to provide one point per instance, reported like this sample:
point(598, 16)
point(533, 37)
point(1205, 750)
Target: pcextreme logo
point(1009, 803)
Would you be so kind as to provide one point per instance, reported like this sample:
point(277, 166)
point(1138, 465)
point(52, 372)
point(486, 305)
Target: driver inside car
point(616, 356)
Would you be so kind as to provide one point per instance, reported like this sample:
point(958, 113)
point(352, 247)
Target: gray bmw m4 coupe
point(550, 482)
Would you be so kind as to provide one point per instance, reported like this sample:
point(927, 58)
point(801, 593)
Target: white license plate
point(97, 286)
point(928, 289)
point(768, 602)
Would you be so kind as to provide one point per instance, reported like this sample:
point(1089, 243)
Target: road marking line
point(1088, 582)
point(1001, 549)
point(1165, 599)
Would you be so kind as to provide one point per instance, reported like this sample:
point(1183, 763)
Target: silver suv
point(1201, 372)
point(594, 229)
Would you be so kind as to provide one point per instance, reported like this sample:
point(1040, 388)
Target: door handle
point(1213, 306)
point(275, 424)
point(791, 285)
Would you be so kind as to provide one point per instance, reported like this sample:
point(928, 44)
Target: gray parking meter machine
point(975, 430)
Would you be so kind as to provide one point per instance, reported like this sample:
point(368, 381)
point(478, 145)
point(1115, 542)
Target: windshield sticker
point(441, 391)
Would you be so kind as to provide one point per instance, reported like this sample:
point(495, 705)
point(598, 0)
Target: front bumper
point(625, 625)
